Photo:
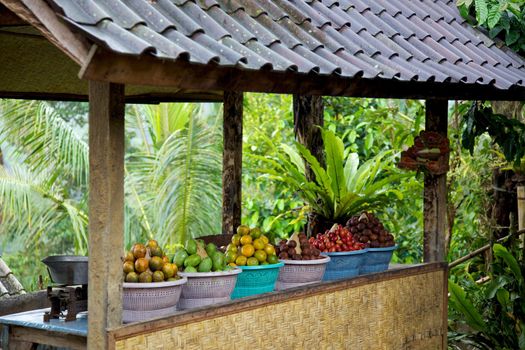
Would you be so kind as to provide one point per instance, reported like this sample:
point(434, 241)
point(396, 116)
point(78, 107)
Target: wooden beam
point(435, 191)
point(148, 70)
point(9, 18)
point(232, 162)
point(106, 209)
point(23, 336)
point(24, 302)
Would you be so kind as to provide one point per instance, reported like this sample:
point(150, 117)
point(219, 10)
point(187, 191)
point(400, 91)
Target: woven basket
point(296, 273)
point(142, 301)
point(377, 259)
point(206, 288)
point(344, 264)
point(256, 280)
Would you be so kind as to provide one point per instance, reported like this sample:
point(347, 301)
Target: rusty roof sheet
point(407, 40)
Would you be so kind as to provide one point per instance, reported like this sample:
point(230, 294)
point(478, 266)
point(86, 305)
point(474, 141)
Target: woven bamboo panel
point(402, 313)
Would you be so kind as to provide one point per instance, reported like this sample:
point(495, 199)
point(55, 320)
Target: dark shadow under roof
point(423, 47)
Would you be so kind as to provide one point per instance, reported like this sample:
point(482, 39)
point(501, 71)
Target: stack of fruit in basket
point(297, 248)
point(250, 247)
point(337, 239)
point(147, 263)
point(199, 257)
point(368, 230)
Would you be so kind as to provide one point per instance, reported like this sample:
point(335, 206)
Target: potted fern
point(342, 188)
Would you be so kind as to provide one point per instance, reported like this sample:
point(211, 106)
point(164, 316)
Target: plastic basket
point(256, 280)
point(206, 288)
point(344, 264)
point(377, 259)
point(142, 301)
point(296, 273)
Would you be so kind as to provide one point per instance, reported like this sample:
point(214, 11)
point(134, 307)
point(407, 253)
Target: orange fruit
point(169, 270)
point(258, 244)
point(230, 256)
point(232, 248)
point(141, 265)
point(246, 239)
point(158, 276)
point(132, 277)
point(236, 239)
point(165, 259)
point(232, 264)
point(272, 259)
point(152, 244)
point(247, 250)
point(252, 261)
point(243, 230)
point(265, 239)
point(255, 232)
point(128, 267)
point(260, 255)
point(241, 260)
point(269, 249)
point(138, 250)
point(145, 277)
point(155, 251)
point(129, 257)
point(156, 263)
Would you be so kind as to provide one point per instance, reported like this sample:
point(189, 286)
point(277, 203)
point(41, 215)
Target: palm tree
point(173, 166)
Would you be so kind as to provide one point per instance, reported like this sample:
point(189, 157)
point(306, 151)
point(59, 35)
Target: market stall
point(152, 51)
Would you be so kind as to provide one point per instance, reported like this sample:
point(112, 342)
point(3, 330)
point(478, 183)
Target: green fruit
point(205, 265)
point(191, 246)
point(211, 249)
point(255, 232)
point(179, 257)
point(192, 260)
point(219, 261)
point(190, 269)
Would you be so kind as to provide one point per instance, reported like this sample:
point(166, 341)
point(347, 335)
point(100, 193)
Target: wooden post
point(106, 210)
point(232, 161)
point(308, 115)
point(435, 192)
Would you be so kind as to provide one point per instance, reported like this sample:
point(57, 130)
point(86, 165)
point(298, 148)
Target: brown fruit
point(145, 277)
point(156, 263)
point(291, 251)
point(152, 244)
point(158, 276)
point(297, 257)
point(129, 257)
point(138, 250)
point(283, 256)
point(292, 244)
point(128, 267)
point(141, 265)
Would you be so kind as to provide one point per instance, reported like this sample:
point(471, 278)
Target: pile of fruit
point(337, 239)
point(197, 256)
point(368, 230)
point(250, 247)
point(297, 248)
point(147, 263)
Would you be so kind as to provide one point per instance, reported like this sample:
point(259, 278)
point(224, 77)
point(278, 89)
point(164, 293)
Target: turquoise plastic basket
point(344, 264)
point(256, 280)
point(377, 259)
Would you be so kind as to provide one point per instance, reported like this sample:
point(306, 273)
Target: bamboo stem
point(521, 211)
point(482, 249)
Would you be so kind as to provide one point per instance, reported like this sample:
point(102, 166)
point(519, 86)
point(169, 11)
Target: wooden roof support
point(106, 209)
point(232, 161)
point(435, 192)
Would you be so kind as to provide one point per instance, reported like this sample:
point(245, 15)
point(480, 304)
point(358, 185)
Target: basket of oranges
point(253, 253)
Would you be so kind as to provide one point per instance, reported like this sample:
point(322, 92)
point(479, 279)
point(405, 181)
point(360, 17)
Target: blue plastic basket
point(344, 264)
point(377, 259)
point(256, 280)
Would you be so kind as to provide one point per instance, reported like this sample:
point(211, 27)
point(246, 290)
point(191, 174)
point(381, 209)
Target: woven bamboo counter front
point(403, 308)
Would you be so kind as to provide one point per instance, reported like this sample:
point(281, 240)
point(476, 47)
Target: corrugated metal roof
point(406, 40)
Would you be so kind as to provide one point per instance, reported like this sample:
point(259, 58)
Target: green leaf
point(494, 285)
point(503, 297)
point(461, 303)
point(512, 37)
point(334, 149)
point(482, 11)
point(502, 252)
point(494, 16)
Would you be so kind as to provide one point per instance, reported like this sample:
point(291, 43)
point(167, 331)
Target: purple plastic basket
point(344, 264)
point(377, 259)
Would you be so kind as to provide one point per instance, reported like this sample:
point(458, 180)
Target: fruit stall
point(333, 288)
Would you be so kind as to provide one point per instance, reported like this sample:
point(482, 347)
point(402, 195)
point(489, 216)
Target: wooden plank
point(435, 191)
point(24, 336)
point(106, 209)
point(24, 302)
point(146, 70)
point(258, 301)
point(232, 162)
